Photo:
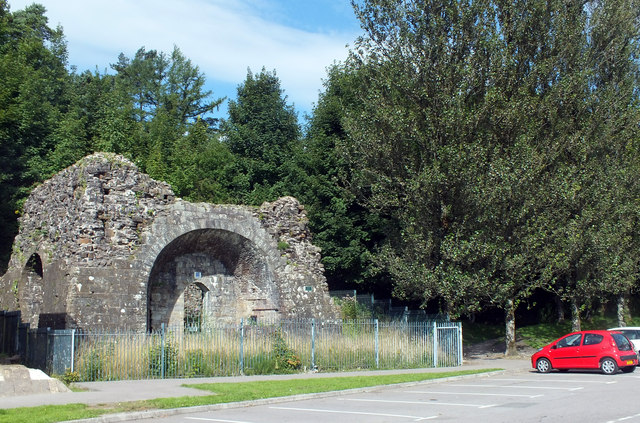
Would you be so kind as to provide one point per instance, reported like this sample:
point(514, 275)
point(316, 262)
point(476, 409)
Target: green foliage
point(481, 130)
point(170, 360)
point(70, 377)
point(33, 97)
point(91, 367)
point(467, 154)
point(351, 309)
point(262, 364)
point(285, 358)
point(347, 232)
point(51, 413)
point(195, 364)
point(282, 245)
point(262, 132)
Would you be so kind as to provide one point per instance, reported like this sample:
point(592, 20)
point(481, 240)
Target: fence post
point(162, 352)
point(460, 344)
point(26, 345)
point(3, 335)
point(48, 351)
point(435, 344)
point(73, 345)
point(313, 344)
point(242, 347)
point(377, 345)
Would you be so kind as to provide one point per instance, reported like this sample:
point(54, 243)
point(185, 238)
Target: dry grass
point(217, 352)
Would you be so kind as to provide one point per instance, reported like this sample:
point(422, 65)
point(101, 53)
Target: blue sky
point(298, 39)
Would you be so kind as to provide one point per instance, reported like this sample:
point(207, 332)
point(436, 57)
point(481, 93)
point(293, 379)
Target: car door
point(566, 354)
point(591, 350)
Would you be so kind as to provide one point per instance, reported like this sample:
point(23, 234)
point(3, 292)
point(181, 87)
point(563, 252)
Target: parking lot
point(508, 397)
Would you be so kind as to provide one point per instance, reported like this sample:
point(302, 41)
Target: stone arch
point(106, 235)
point(228, 267)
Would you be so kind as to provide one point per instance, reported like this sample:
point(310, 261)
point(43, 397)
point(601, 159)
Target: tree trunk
point(510, 329)
point(559, 308)
point(575, 315)
point(622, 310)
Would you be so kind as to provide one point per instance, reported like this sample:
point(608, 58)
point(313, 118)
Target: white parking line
point(559, 380)
point(621, 419)
point(521, 387)
point(421, 402)
point(360, 413)
point(476, 393)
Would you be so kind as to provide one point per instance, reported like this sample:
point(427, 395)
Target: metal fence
point(383, 308)
point(246, 348)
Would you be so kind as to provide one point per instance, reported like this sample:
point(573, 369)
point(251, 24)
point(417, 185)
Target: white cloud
point(222, 37)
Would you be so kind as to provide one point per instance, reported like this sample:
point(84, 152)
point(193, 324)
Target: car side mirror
point(554, 346)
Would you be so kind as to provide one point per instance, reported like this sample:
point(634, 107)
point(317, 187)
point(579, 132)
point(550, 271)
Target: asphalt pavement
point(95, 393)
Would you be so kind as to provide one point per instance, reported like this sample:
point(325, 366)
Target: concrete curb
point(151, 414)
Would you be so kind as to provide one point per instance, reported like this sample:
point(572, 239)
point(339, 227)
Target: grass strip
point(221, 393)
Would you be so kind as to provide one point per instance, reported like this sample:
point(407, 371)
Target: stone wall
point(103, 245)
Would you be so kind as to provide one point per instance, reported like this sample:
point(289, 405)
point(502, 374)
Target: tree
point(479, 131)
point(594, 244)
point(164, 96)
point(263, 132)
point(33, 97)
point(422, 82)
point(347, 233)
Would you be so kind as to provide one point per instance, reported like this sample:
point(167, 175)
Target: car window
point(570, 341)
point(631, 334)
point(622, 342)
point(592, 339)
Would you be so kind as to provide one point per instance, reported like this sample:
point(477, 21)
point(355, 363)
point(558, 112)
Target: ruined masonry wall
point(92, 237)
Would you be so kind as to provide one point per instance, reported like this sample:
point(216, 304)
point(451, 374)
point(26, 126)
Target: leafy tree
point(115, 127)
point(421, 84)
point(164, 96)
point(593, 247)
point(33, 96)
point(263, 132)
point(346, 232)
point(480, 129)
point(79, 130)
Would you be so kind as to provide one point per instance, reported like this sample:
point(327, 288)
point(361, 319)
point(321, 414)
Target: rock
point(20, 380)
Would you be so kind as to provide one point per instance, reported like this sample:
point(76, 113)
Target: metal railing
point(248, 348)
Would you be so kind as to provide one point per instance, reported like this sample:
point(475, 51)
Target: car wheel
point(543, 365)
point(628, 369)
point(608, 366)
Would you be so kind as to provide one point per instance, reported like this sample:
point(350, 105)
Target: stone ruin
point(103, 246)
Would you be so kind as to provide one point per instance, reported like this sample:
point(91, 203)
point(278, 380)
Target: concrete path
point(124, 391)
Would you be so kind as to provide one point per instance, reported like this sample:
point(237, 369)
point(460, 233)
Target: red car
point(589, 349)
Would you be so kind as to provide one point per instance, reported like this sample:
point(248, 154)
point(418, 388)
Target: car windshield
point(622, 342)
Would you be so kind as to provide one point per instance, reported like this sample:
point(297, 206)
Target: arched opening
point(220, 271)
point(34, 266)
point(32, 298)
point(195, 303)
